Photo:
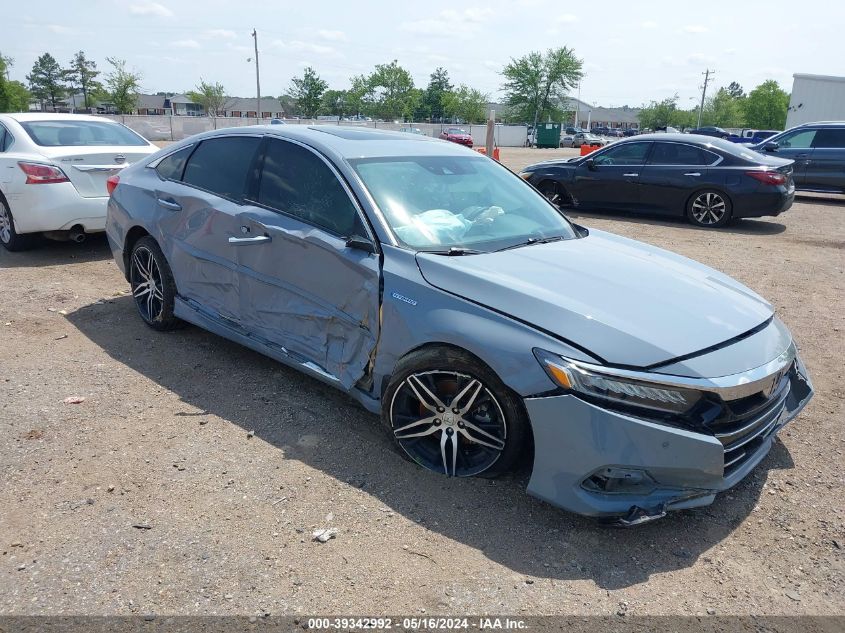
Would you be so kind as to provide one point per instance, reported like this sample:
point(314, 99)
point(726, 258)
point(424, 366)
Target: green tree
point(467, 104)
point(432, 102)
point(359, 97)
point(308, 91)
point(391, 91)
point(765, 106)
point(537, 83)
point(723, 110)
point(334, 103)
point(46, 80)
point(212, 97)
point(14, 97)
point(735, 90)
point(82, 75)
point(659, 113)
point(123, 86)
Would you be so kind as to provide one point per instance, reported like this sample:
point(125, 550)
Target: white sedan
point(53, 173)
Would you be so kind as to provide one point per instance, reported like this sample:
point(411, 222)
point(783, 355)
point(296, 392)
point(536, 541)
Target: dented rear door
point(301, 287)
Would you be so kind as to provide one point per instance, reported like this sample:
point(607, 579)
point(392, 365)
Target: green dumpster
point(548, 135)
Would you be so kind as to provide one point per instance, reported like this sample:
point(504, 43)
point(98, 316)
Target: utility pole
point(257, 81)
point(706, 74)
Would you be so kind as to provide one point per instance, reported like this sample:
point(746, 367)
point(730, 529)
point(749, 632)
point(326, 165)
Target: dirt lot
point(191, 476)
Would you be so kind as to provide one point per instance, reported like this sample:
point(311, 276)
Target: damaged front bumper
point(607, 464)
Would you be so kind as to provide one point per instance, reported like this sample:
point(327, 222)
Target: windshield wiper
point(456, 251)
point(534, 240)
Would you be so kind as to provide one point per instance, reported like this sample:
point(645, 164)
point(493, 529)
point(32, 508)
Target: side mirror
point(591, 164)
point(771, 146)
point(360, 243)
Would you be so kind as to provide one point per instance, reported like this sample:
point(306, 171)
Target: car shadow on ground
point(323, 428)
point(742, 226)
point(52, 253)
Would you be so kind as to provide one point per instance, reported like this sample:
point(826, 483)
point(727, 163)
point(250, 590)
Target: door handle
point(630, 175)
point(169, 204)
point(692, 173)
point(258, 239)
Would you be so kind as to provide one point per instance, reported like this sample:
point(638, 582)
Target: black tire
point(9, 238)
point(154, 301)
point(554, 193)
point(709, 208)
point(485, 438)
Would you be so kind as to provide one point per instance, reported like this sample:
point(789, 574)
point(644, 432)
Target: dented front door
point(301, 287)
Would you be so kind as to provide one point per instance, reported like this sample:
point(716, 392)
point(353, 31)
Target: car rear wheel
point(10, 238)
point(709, 208)
point(450, 413)
point(153, 288)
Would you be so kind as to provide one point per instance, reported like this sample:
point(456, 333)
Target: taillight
point(111, 183)
point(40, 174)
point(768, 177)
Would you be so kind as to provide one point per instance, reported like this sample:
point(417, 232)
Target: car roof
point(823, 124)
point(23, 117)
point(352, 142)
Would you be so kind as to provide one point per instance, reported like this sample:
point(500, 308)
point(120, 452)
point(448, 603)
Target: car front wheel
point(153, 287)
point(449, 413)
point(709, 208)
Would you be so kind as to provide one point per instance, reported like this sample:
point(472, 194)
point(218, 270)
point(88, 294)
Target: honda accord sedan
point(442, 292)
point(53, 172)
point(707, 180)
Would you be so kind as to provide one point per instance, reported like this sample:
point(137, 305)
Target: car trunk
point(89, 167)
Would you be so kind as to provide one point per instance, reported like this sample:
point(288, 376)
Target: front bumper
point(657, 467)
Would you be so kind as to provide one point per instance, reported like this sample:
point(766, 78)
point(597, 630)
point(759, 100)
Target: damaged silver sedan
point(446, 294)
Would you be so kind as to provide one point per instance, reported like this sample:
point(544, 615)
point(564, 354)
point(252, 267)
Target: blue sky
point(633, 51)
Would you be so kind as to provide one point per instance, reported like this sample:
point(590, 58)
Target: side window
point(624, 154)
point(297, 182)
point(171, 167)
point(221, 165)
point(830, 138)
point(679, 154)
point(801, 139)
point(5, 139)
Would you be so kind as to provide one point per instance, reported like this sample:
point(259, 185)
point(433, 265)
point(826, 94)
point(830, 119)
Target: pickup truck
point(752, 137)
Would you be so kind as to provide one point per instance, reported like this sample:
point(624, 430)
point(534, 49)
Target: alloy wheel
point(709, 208)
point(448, 422)
point(5, 224)
point(145, 278)
point(552, 194)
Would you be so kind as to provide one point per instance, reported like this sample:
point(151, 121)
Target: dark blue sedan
point(708, 180)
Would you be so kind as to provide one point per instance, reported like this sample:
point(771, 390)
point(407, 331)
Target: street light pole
point(706, 74)
point(257, 81)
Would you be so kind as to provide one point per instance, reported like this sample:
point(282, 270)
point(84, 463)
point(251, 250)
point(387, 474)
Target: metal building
point(816, 98)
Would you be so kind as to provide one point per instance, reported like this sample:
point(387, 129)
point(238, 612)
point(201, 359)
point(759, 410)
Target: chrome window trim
point(731, 387)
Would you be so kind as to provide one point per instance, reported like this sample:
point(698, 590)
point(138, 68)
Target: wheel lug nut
point(436, 422)
point(440, 409)
point(455, 411)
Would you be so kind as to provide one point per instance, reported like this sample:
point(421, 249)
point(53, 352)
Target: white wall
point(816, 98)
point(175, 128)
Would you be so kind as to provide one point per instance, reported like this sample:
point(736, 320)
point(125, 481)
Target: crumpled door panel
point(304, 290)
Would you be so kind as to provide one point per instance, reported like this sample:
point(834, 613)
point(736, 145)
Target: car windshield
point(80, 133)
point(438, 203)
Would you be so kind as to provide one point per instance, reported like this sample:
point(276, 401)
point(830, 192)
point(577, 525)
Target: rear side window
point(172, 167)
point(80, 133)
point(5, 139)
point(221, 165)
point(830, 138)
point(680, 154)
point(297, 182)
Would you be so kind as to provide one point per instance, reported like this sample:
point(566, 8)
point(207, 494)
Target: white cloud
point(700, 58)
point(566, 18)
point(649, 24)
point(695, 28)
point(59, 29)
point(220, 34)
point(150, 8)
point(450, 23)
point(298, 46)
point(333, 36)
point(730, 51)
point(185, 44)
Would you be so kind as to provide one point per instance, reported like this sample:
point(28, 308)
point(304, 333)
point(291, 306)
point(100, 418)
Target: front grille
point(746, 423)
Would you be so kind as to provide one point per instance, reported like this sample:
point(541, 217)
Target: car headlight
point(627, 392)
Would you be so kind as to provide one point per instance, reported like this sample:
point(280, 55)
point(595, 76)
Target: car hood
point(625, 302)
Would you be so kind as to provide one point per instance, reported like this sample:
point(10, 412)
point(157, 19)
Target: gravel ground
point(192, 475)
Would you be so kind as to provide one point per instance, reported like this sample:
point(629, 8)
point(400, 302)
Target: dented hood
point(626, 302)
